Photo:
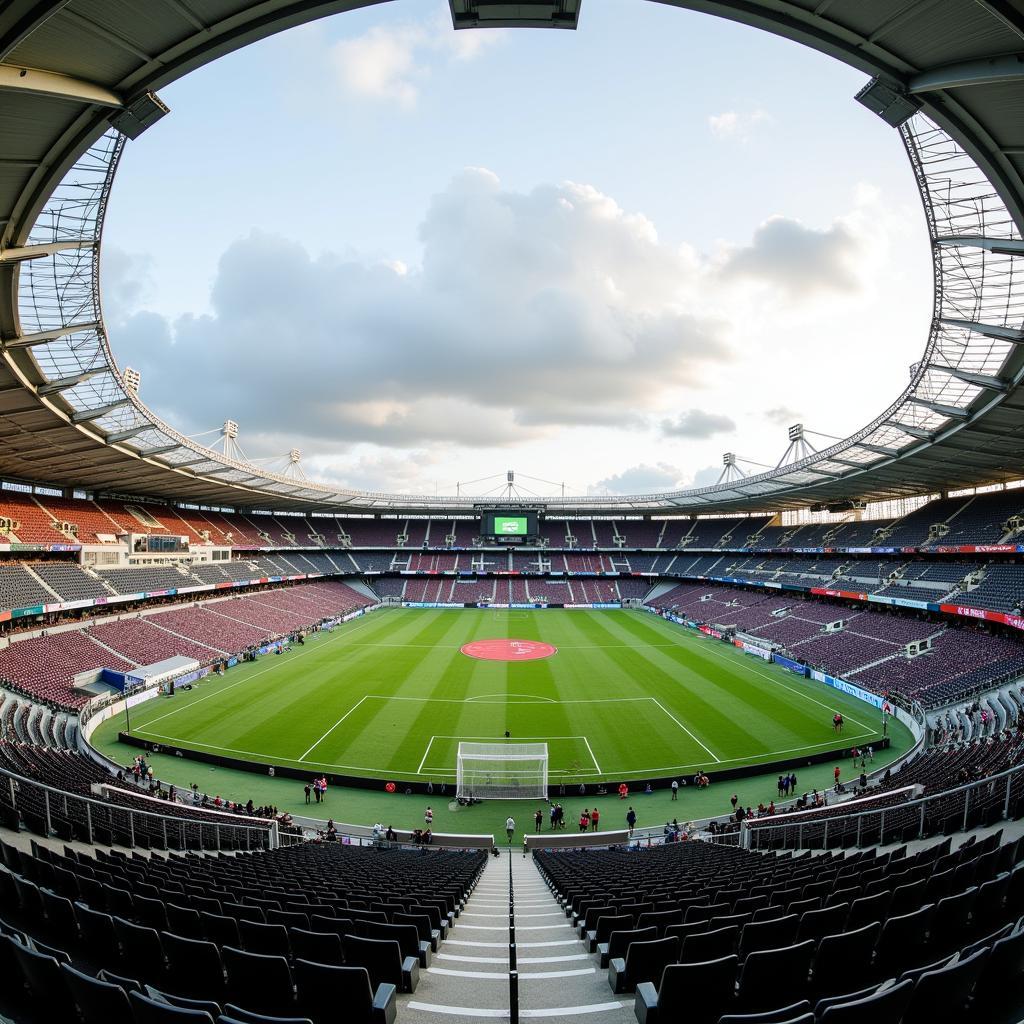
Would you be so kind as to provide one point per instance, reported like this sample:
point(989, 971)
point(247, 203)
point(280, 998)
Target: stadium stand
point(69, 581)
point(45, 667)
point(135, 920)
point(143, 643)
point(736, 933)
point(20, 588)
point(1001, 589)
point(73, 772)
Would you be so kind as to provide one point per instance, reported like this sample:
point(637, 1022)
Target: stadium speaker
point(888, 101)
point(139, 113)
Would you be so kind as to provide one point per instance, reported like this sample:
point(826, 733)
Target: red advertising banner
point(1015, 621)
point(848, 594)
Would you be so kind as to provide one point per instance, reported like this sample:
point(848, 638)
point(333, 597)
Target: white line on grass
point(772, 679)
point(332, 728)
point(687, 731)
point(264, 758)
point(466, 700)
point(597, 767)
point(250, 678)
point(425, 752)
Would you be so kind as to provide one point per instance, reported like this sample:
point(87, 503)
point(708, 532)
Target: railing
point(956, 809)
point(95, 820)
point(513, 969)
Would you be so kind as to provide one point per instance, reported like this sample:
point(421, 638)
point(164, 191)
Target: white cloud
point(531, 312)
point(782, 416)
point(786, 254)
point(642, 479)
point(391, 62)
point(697, 424)
point(736, 124)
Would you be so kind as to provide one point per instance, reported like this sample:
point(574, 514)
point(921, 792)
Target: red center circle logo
point(508, 650)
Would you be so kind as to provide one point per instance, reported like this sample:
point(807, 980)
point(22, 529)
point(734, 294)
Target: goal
point(502, 771)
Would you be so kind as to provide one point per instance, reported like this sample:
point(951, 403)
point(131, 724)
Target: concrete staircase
point(468, 978)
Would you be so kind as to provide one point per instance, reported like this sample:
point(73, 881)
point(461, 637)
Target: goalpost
point(502, 771)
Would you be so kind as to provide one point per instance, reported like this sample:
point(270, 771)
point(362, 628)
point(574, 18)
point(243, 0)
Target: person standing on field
point(595, 817)
point(631, 820)
point(538, 820)
point(675, 789)
point(510, 827)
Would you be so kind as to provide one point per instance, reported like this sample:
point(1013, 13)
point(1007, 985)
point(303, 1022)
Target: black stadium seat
point(943, 994)
point(644, 961)
point(618, 943)
point(98, 1002)
point(696, 993)
point(796, 1013)
point(766, 973)
point(320, 947)
point(255, 977)
point(322, 989)
point(384, 962)
point(886, 1006)
point(148, 1010)
point(194, 967)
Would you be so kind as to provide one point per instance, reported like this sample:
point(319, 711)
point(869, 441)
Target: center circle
point(508, 650)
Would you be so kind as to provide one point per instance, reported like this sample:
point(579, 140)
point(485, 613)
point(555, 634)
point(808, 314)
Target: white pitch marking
point(687, 731)
point(475, 1011)
point(425, 752)
point(249, 678)
point(774, 680)
point(531, 696)
point(332, 728)
point(597, 767)
point(503, 975)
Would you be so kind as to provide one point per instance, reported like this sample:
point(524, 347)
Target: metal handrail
point(53, 795)
point(761, 825)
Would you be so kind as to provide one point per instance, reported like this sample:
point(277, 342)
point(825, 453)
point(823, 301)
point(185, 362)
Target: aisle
point(468, 977)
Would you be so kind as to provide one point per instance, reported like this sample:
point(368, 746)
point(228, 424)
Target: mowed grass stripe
point(807, 699)
point(609, 665)
point(693, 694)
point(745, 718)
point(453, 679)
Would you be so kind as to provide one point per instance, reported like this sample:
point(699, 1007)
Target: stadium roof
point(79, 77)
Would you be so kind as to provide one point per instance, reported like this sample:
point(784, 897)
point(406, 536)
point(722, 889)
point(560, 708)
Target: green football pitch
point(627, 696)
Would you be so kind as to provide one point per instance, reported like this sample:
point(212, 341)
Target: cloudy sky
point(599, 258)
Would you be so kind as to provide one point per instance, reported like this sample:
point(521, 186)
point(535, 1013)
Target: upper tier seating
point(69, 580)
point(1001, 589)
point(147, 579)
point(20, 589)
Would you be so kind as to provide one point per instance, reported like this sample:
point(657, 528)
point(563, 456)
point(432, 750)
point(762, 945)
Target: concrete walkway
point(468, 978)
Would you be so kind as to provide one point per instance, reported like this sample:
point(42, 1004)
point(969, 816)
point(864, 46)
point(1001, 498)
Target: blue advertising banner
point(793, 666)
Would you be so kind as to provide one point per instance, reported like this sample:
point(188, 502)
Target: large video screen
point(509, 528)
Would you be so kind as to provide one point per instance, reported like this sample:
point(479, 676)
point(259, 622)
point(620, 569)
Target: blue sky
point(601, 257)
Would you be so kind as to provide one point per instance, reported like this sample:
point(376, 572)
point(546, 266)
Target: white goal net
point(502, 771)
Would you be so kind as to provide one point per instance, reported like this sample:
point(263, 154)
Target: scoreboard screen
point(509, 528)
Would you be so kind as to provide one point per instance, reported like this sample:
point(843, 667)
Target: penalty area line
point(332, 728)
point(703, 746)
point(597, 767)
point(419, 771)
